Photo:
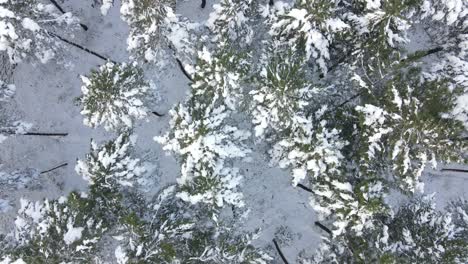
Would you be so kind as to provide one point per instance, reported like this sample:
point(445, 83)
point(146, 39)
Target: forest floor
point(46, 97)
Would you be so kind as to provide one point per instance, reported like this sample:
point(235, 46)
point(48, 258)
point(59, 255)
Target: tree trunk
point(13, 131)
point(81, 47)
point(280, 252)
point(157, 114)
point(307, 189)
point(181, 66)
point(454, 170)
point(45, 134)
point(84, 27)
point(203, 3)
point(54, 168)
point(324, 228)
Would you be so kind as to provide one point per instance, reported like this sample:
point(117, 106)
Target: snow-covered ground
point(46, 97)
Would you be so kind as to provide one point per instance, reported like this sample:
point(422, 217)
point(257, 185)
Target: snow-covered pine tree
point(170, 231)
point(381, 32)
point(25, 29)
point(403, 125)
point(421, 233)
point(114, 96)
point(459, 210)
point(378, 31)
point(373, 32)
point(445, 24)
point(230, 22)
point(110, 169)
point(153, 28)
point(70, 228)
point(416, 233)
point(203, 145)
point(201, 136)
point(56, 231)
point(308, 26)
point(311, 145)
point(316, 153)
point(282, 95)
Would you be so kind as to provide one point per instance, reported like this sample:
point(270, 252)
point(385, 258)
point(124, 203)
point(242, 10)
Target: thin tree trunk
point(54, 168)
point(85, 28)
point(157, 114)
point(81, 47)
point(203, 3)
point(459, 139)
point(280, 252)
point(307, 189)
point(455, 170)
point(349, 99)
point(422, 54)
point(324, 228)
point(272, 2)
point(45, 134)
point(181, 66)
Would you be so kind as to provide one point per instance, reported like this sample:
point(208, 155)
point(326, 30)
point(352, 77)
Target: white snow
point(6, 13)
point(106, 5)
point(120, 255)
point(73, 234)
point(298, 175)
point(8, 260)
point(5, 206)
point(461, 110)
point(6, 91)
point(30, 24)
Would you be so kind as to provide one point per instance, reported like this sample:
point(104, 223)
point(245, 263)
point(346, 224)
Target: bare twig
point(54, 168)
point(83, 26)
point(280, 252)
point(81, 47)
point(324, 228)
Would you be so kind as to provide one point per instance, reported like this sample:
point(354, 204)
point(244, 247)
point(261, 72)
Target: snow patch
point(73, 234)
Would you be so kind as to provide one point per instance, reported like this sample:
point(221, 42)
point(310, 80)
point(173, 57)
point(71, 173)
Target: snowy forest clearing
point(228, 142)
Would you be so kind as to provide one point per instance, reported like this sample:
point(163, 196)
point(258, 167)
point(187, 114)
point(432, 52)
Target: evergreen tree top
point(114, 95)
